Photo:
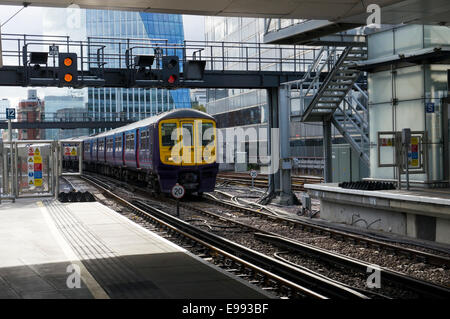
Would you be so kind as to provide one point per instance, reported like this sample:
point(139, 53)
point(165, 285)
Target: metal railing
point(105, 52)
point(87, 116)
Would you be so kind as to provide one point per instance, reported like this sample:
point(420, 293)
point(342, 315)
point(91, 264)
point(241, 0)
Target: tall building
point(248, 107)
point(31, 110)
point(4, 104)
point(53, 106)
point(134, 103)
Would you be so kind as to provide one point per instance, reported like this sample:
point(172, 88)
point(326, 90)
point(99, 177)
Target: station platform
point(418, 213)
point(45, 243)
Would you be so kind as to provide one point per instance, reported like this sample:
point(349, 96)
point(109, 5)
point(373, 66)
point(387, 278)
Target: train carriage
point(178, 146)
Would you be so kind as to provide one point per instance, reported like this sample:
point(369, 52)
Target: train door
point(188, 142)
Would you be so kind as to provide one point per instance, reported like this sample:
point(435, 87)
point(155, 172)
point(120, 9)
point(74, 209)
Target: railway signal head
point(170, 70)
point(68, 71)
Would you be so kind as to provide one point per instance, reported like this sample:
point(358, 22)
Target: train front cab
point(190, 159)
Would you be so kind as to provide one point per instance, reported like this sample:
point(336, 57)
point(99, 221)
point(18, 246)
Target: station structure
point(402, 132)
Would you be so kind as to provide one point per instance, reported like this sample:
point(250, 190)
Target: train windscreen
point(166, 133)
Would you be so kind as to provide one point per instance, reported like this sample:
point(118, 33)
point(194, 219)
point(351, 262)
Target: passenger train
point(177, 146)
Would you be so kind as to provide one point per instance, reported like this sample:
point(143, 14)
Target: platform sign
point(178, 191)
point(429, 107)
point(53, 50)
point(10, 113)
point(386, 141)
point(253, 175)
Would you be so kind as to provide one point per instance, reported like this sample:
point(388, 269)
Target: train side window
point(166, 133)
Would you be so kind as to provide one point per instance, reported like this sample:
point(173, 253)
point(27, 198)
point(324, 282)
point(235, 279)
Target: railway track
point(314, 229)
point(262, 180)
point(274, 275)
point(417, 287)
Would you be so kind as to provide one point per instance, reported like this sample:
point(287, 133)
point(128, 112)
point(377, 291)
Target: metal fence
point(104, 52)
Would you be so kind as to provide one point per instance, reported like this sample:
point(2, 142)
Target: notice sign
point(387, 141)
point(414, 154)
point(34, 164)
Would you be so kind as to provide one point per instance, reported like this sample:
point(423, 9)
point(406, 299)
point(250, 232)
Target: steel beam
point(327, 171)
point(285, 147)
point(274, 178)
point(121, 78)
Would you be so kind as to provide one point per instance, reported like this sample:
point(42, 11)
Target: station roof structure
point(343, 11)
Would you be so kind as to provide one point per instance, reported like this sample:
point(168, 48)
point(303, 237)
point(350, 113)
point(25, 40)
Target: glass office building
point(135, 103)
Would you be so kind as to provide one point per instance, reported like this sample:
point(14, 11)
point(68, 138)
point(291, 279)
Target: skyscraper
point(134, 103)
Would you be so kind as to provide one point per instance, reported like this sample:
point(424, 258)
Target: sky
point(30, 21)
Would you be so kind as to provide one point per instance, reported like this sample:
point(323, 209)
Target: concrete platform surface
point(44, 245)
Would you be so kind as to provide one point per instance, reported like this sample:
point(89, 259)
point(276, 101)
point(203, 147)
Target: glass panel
point(188, 134)
point(380, 87)
point(436, 35)
point(166, 133)
point(410, 114)
point(408, 38)
point(207, 138)
point(380, 120)
point(436, 80)
point(409, 83)
point(381, 44)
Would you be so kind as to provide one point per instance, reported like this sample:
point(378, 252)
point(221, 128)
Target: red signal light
point(172, 79)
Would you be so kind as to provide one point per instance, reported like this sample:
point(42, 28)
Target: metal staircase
point(335, 87)
point(351, 119)
point(337, 98)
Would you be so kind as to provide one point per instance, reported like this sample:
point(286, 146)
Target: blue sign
point(30, 174)
point(429, 107)
point(10, 114)
point(38, 174)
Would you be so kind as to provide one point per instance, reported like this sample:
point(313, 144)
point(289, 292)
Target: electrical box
point(346, 164)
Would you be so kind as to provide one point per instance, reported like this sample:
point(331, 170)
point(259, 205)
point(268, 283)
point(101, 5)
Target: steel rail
point(422, 288)
point(298, 279)
point(311, 227)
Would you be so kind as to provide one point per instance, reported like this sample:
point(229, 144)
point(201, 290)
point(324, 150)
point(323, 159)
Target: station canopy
point(350, 11)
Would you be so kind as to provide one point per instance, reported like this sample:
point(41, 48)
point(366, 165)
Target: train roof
point(173, 114)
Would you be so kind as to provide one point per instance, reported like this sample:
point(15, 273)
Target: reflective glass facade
point(394, 105)
point(238, 107)
point(134, 103)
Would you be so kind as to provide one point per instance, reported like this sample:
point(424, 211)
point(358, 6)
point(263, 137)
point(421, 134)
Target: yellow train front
point(178, 146)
